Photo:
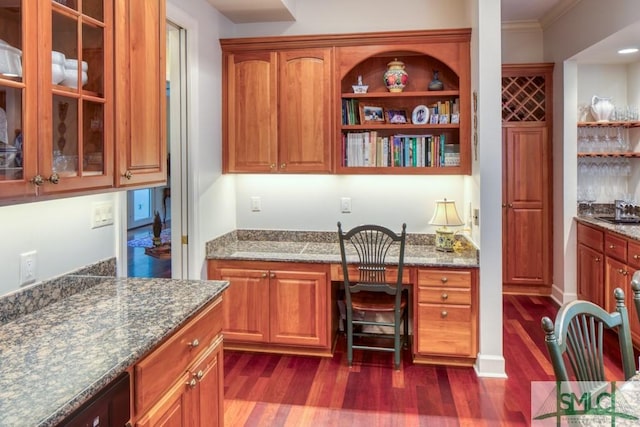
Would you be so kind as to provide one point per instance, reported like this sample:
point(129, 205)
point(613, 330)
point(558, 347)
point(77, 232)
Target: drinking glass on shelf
point(632, 112)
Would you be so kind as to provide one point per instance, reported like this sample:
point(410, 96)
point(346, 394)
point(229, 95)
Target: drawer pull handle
point(199, 375)
point(636, 256)
point(194, 343)
point(444, 314)
point(193, 383)
point(444, 280)
point(444, 296)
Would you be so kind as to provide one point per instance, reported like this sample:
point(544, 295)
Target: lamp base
point(444, 240)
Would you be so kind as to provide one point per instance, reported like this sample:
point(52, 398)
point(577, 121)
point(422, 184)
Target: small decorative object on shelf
point(157, 229)
point(601, 108)
point(395, 78)
point(436, 84)
point(445, 215)
point(360, 87)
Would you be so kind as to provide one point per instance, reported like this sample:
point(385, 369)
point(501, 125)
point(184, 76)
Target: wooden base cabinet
point(446, 316)
point(590, 264)
point(181, 382)
point(283, 305)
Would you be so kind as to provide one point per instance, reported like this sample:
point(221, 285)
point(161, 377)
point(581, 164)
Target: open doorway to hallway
point(164, 257)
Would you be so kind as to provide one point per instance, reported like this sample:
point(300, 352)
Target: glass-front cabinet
point(56, 96)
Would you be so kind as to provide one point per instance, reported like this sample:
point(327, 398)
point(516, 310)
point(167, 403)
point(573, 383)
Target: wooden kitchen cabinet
point(277, 109)
point(590, 263)
point(275, 306)
point(62, 124)
point(140, 93)
point(446, 316)
point(180, 383)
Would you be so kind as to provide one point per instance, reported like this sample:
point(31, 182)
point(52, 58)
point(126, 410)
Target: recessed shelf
point(615, 124)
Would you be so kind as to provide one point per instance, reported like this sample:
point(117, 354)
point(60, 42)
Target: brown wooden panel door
point(299, 308)
point(173, 410)
point(140, 92)
point(305, 110)
point(527, 241)
point(245, 304)
point(208, 397)
point(590, 275)
point(616, 275)
point(251, 108)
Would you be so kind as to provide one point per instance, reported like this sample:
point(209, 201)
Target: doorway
point(144, 257)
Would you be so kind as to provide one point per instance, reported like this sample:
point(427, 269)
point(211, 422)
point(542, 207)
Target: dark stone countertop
point(323, 247)
point(57, 357)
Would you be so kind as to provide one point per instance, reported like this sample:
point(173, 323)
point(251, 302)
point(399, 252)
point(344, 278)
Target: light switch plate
point(28, 268)
point(345, 205)
point(101, 214)
point(256, 204)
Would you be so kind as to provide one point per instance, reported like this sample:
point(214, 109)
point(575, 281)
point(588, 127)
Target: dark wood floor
point(141, 265)
point(275, 390)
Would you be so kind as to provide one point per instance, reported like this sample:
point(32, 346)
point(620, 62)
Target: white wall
point(60, 231)
point(521, 43)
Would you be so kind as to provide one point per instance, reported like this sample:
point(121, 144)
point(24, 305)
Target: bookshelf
point(396, 144)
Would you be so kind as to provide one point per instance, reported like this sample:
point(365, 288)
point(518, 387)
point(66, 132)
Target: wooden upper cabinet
point(305, 111)
point(140, 93)
point(251, 104)
point(277, 115)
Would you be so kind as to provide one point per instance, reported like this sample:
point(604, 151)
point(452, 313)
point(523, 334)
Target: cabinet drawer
point(454, 296)
point(591, 237)
point(633, 254)
point(447, 335)
point(615, 247)
point(157, 372)
point(444, 278)
point(392, 272)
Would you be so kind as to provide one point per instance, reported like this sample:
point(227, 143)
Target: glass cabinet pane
point(11, 143)
point(72, 4)
point(65, 41)
point(93, 57)
point(93, 138)
point(11, 40)
point(93, 8)
point(65, 135)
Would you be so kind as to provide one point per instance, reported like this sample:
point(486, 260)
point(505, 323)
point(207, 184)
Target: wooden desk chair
point(375, 291)
point(578, 335)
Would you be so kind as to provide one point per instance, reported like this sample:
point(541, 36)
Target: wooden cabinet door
point(616, 276)
point(298, 306)
point(140, 93)
point(590, 275)
point(173, 410)
point(527, 242)
point(208, 395)
point(245, 304)
point(250, 112)
point(304, 143)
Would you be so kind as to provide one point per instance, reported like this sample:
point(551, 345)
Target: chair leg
point(349, 336)
point(406, 328)
point(396, 345)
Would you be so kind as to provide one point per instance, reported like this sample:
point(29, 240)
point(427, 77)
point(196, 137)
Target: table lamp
point(445, 214)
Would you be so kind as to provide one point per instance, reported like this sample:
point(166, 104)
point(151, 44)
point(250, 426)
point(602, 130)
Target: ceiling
point(515, 13)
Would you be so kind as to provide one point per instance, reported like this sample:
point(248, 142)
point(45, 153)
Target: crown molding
point(557, 11)
point(524, 26)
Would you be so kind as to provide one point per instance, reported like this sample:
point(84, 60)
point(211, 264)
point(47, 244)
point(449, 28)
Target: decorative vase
point(395, 78)
point(436, 84)
point(601, 108)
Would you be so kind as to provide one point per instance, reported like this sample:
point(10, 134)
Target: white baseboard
point(490, 366)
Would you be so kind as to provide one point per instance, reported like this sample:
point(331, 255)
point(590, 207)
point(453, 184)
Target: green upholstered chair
point(578, 336)
point(374, 289)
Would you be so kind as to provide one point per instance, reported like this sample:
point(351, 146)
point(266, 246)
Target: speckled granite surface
point(55, 358)
point(630, 231)
point(323, 247)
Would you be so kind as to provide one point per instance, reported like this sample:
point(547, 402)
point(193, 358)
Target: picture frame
point(420, 115)
point(371, 113)
point(397, 116)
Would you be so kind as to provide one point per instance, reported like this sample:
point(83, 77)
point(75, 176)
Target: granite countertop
point(322, 247)
point(627, 230)
point(55, 358)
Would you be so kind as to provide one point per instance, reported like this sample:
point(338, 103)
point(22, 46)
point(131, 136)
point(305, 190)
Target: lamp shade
point(446, 213)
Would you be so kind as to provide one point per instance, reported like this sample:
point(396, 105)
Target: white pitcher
point(601, 108)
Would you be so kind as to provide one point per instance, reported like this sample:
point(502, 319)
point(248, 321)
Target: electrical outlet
point(256, 205)
point(28, 268)
point(101, 214)
point(345, 204)
point(476, 217)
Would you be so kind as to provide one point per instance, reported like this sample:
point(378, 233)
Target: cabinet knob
point(444, 314)
point(54, 178)
point(127, 174)
point(264, 275)
point(283, 165)
point(444, 296)
point(194, 343)
point(37, 180)
point(612, 246)
point(192, 383)
point(504, 205)
point(199, 375)
point(444, 279)
point(272, 275)
point(272, 166)
point(597, 259)
point(636, 256)
point(510, 205)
